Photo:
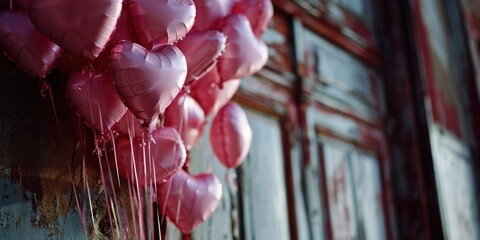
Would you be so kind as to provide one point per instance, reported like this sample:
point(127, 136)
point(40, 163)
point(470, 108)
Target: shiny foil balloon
point(25, 45)
point(23, 4)
point(70, 63)
point(147, 81)
point(185, 115)
point(16, 5)
point(81, 27)
point(210, 12)
point(245, 54)
point(202, 50)
point(94, 99)
point(207, 92)
point(190, 200)
point(231, 135)
point(151, 162)
point(122, 33)
point(258, 12)
point(132, 126)
point(157, 22)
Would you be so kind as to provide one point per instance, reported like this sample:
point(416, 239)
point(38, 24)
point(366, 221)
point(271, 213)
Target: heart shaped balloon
point(207, 92)
point(157, 22)
point(210, 12)
point(154, 162)
point(94, 99)
point(81, 27)
point(25, 45)
point(258, 12)
point(190, 200)
point(14, 5)
point(20, 4)
point(231, 135)
point(202, 50)
point(147, 81)
point(245, 54)
point(185, 115)
point(70, 62)
point(132, 126)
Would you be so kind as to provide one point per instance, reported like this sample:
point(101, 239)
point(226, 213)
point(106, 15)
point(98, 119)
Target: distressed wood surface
point(454, 178)
point(37, 200)
point(356, 89)
point(224, 223)
point(263, 188)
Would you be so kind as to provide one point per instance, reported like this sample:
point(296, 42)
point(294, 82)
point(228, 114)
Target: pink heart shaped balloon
point(147, 81)
point(231, 135)
point(162, 158)
point(131, 125)
point(258, 12)
point(25, 45)
point(158, 22)
point(22, 4)
point(202, 50)
point(210, 12)
point(70, 62)
point(190, 200)
point(94, 99)
point(81, 27)
point(245, 54)
point(185, 115)
point(209, 95)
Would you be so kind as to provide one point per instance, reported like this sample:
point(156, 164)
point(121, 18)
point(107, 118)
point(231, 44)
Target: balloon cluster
point(153, 71)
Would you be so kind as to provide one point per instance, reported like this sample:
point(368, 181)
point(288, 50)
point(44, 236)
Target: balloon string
point(103, 181)
point(115, 157)
point(137, 193)
point(164, 204)
point(113, 202)
point(46, 86)
point(132, 208)
point(74, 189)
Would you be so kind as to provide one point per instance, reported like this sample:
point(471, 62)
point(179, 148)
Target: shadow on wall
point(36, 197)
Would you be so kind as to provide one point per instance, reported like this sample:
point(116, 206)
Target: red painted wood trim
point(433, 223)
point(287, 151)
point(369, 54)
point(377, 144)
point(324, 193)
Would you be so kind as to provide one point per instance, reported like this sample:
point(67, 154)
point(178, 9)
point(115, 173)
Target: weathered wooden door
point(447, 81)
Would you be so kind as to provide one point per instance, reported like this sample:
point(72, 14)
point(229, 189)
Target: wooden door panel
point(354, 191)
point(339, 80)
point(455, 186)
point(263, 188)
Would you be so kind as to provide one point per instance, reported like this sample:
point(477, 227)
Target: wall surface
point(36, 197)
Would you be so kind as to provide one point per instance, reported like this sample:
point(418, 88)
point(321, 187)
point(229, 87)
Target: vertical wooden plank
point(368, 188)
point(312, 179)
point(456, 186)
point(172, 231)
point(263, 182)
point(354, 191)
point(303, 230)
point(340, 191)
point(219, 225)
